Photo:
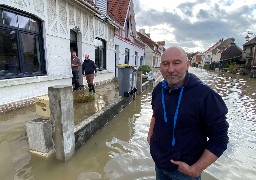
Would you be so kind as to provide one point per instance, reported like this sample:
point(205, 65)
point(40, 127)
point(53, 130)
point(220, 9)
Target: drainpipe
point(254, 56)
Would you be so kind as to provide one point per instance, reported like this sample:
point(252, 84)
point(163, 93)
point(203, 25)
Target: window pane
point(31, 53)
point(9, 63)
point(73, 36)
point(1, 16)
point(34, 25)
point(136, 58)
point(127, 55)
point(23, 22)
point(10, 19)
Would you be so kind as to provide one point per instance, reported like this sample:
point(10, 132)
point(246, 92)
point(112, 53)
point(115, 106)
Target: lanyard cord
point(176, 112)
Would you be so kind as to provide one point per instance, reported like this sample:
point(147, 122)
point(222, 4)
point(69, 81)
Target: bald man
point(188, 129)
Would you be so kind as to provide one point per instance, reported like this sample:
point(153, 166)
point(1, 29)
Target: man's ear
point(188, 63)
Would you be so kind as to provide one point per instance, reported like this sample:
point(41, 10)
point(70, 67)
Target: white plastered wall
point(57, 17)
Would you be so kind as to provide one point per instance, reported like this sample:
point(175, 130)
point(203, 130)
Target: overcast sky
point(196, 25)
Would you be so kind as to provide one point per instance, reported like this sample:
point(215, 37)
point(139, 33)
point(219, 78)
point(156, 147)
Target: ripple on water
point(135, 162)
point(238, 161)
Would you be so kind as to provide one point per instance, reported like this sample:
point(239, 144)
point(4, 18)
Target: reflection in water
point(239, 93)
point(104, 97)
point(132, 160)
point(120, 151)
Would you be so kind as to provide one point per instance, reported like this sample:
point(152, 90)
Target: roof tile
point(117, 10)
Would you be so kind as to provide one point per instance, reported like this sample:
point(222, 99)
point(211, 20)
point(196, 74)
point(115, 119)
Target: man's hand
point(186, 169)
point(149, 137)
point(151, 128)
point(196, 169)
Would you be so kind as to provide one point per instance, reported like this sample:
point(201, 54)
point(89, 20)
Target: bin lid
point(124, 65)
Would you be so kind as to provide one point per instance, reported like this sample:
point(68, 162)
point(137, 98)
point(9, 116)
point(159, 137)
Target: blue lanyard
point(164, 86)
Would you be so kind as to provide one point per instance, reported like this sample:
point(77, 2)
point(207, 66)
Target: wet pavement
point(13, 141)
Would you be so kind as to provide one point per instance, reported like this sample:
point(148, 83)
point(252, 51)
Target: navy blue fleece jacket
point(88, 67)
point(201, 123)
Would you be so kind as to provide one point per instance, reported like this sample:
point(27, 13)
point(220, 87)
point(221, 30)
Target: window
point(100, 53)
point(141, 61)
point(127, 28)
point(127, 54)
point(21, 45)
point(135, 58)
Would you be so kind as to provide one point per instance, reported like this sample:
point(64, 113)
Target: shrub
point(207, 66)
point(145, 69)
point(82, 98)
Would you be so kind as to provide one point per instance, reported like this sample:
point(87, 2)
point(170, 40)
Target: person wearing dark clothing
point(75, 63)
point(188, 129)
point(89, 71)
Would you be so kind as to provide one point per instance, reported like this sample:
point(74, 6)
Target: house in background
point(128, 48)
point(161, 49)
point(249, 53)
point(233, 53)
point(37, 37)
point(216, 53)
point(153, 50)
point(207, 55)
point(197, 60)
point(212, 56)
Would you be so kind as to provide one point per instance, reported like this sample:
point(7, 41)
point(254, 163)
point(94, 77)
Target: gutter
point(88, 6)
point(107, 19)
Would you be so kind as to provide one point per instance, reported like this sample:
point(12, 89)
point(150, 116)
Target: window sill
point(29, 80)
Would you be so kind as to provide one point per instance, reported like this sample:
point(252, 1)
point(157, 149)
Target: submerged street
point(120, 151)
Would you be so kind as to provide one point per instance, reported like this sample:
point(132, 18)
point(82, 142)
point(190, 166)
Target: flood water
point(120, 151)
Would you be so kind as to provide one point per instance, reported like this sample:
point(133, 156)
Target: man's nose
point(170, 68)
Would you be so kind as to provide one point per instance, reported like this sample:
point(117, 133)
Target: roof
point(162, 43)
point(232, 51)
point(215, 45)
point(117, 10)
point(146, 40)
point(221, 45)
point(251, 42)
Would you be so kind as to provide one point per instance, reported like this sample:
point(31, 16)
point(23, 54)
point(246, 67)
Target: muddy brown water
point(119, 150)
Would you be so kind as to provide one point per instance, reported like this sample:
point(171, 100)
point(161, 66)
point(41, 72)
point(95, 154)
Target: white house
point(128, 48)
point(213, 54)
point(36, 37)
point(153, 50)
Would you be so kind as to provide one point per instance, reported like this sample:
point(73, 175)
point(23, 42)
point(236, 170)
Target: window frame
point(20, 49)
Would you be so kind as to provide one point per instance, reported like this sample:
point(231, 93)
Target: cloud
point(199, 24)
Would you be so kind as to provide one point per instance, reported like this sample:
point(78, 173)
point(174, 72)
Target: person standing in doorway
point(188, 129)
point(75, 63)
point(89, 71)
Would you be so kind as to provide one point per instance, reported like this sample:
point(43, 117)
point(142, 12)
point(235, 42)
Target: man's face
point(73, 54)
point(174, 65)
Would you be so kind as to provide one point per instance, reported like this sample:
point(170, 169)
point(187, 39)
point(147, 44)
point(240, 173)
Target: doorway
point(73, 42)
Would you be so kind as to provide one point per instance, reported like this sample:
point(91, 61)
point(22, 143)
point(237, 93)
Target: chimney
point(142, 31)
